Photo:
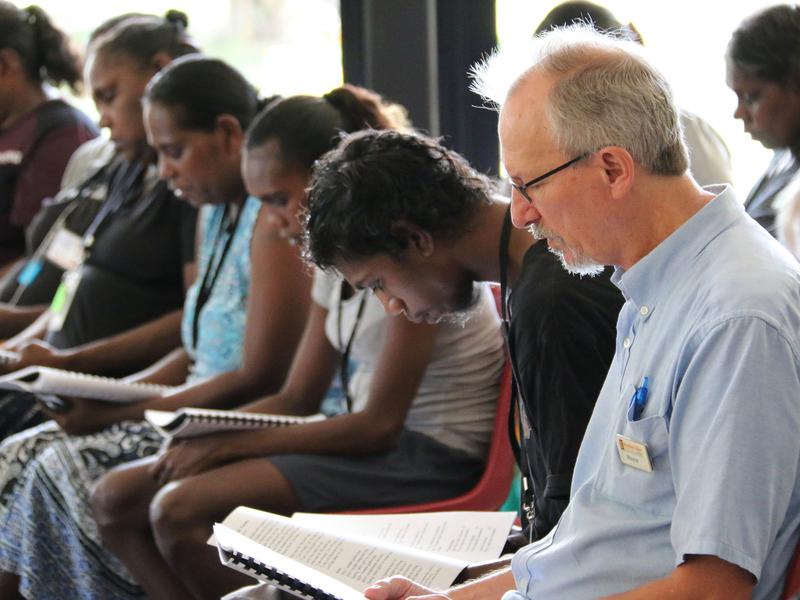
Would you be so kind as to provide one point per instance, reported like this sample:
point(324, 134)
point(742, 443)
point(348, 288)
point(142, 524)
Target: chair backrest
point(791, 588)
point(492, 489)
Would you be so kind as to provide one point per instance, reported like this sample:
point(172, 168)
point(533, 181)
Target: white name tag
point(10, 157)
point(66, 249)
point(633, 453)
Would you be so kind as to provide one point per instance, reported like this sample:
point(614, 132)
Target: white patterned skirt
point(48, 536)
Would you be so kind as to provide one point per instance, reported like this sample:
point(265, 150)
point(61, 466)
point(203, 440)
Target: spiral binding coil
point(286, 582)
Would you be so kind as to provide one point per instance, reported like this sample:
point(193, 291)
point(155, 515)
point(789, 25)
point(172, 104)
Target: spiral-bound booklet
point(334, 557)
point(191, 422)
point(46, 380)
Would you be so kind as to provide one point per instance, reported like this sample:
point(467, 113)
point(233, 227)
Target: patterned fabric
point(222, 319)
point(47, 535)
point(18, 411)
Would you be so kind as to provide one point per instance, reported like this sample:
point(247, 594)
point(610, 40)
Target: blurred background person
point(38, 132)
point(709, 158)
point(763, 70)
point(124, 242)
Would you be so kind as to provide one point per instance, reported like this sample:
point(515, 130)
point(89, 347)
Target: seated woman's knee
point(173, 511)
point(111, 500)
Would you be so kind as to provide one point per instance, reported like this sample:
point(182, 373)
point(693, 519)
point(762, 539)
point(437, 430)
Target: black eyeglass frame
point(523, 189)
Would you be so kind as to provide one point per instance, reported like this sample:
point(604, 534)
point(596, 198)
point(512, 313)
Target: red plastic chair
point(492, 489)
point(792, 587)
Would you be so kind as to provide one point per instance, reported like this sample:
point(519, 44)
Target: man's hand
point(400, 588)
point(189, 457)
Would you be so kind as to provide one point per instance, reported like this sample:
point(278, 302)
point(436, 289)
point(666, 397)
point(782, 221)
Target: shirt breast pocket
point(634, 487)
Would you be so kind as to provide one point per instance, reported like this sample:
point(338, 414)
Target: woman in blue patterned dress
point(47, 536)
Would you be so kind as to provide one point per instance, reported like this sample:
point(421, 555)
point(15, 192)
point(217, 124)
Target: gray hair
point(605, 94)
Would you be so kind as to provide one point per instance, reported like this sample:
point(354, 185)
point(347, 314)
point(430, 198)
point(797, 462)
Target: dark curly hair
point(375, 181)
point(43, 49)
point(767, 45)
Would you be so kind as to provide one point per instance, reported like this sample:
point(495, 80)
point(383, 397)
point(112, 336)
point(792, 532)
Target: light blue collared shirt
point(712, 318)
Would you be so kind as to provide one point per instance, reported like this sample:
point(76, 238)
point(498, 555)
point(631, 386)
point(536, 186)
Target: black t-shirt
point(134, 272)
point(561, 336)
point(75, 211)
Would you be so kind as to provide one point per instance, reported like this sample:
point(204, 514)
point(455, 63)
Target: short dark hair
point(767, 45)
point(364, 190)
point(569, 13)
point(184, 87)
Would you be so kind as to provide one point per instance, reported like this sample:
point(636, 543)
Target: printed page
point(46, 380)
point(353, 560)
point(231, 540)
point(471, 536)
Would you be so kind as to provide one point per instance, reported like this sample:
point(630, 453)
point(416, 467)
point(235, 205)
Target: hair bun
point(177, 18)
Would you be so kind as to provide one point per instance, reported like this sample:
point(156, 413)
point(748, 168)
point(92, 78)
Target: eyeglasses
point(523, 189)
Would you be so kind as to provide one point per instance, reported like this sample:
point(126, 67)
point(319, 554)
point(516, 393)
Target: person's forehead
point(362, 268)
point(524, 128)
point(263, 163)
point(160, 123)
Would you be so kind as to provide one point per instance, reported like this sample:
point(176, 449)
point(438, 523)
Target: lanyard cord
point(505, 235)
point(344, 371)
point(516, 404)
point(121, 182)
point(44, 246)
point(213, 270)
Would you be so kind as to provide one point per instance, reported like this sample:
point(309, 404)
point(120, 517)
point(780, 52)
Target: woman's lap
point(418, 469)
point(47, 516)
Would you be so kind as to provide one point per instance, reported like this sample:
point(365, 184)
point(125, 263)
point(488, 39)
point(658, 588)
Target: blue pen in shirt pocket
point(638, 400)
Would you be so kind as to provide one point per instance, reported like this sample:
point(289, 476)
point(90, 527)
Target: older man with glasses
point(686, 484)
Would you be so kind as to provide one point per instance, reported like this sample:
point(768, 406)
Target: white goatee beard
point(581, 265)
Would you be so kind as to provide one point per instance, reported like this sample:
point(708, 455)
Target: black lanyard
point(121, 182)
point(505, 235)
point(344, 370)
point(72, 204)
point(227, 230)
point(516, 404)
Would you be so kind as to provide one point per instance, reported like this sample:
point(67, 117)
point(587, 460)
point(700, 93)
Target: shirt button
point(644, 311)
point(626, 343)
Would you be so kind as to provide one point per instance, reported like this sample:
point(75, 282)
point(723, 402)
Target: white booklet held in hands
point(337, 556)
point(46, 380)
point(191, 422)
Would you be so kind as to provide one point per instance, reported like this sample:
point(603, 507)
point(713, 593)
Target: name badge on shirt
point(633, 453)
point(66, 249)
point(62, 300)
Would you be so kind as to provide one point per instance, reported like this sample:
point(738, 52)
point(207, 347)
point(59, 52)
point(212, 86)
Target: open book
point(336, 556)
point(46, 380)
point(191, 422)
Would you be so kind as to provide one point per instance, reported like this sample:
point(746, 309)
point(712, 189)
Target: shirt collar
point(653, 275)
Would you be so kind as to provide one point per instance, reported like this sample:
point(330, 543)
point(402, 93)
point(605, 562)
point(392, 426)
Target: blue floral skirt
point(47, 535)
